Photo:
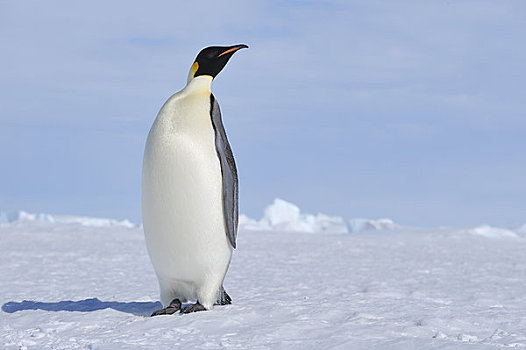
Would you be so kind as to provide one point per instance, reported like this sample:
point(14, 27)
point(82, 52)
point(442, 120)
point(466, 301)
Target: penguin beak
point(233, 49)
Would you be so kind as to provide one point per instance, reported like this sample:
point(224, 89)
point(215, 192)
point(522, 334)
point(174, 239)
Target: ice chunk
point(285, 216)
point(359, 225)
point(491, 232)
point(281, 213)
point(22, 216)
point(521, 230)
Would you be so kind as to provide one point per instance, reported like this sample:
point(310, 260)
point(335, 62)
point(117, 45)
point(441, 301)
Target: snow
point(521, 230)
point(280, 216)
point(359, 225)
point(287, 217)
point(22, 216)
point(492, 232)
point(72, 286)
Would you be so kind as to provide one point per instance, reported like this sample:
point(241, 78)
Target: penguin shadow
point(136, 308)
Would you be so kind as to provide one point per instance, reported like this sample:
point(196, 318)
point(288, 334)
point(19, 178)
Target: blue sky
point(404, 109)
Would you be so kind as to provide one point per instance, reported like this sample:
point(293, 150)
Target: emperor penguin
point(190, 192)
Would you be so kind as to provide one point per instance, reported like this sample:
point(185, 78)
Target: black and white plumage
point(190, 191)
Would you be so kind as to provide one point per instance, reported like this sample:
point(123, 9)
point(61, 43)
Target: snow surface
point(70, 286)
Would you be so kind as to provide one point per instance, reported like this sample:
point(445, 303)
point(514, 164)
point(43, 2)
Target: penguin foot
point(193, 308)
point(225, 299)
point(174, 306)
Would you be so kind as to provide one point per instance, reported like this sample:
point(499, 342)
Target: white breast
point(182, 201)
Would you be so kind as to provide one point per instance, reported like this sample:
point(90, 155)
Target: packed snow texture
point(71, 286)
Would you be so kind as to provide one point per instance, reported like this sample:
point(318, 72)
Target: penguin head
point(211, 60)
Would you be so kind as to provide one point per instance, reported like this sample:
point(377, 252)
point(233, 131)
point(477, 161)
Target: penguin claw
point(228, 299)
point(225, 299)
point(193, 308)
point(174, 306)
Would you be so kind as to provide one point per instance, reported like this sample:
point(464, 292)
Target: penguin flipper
point(229, 172)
